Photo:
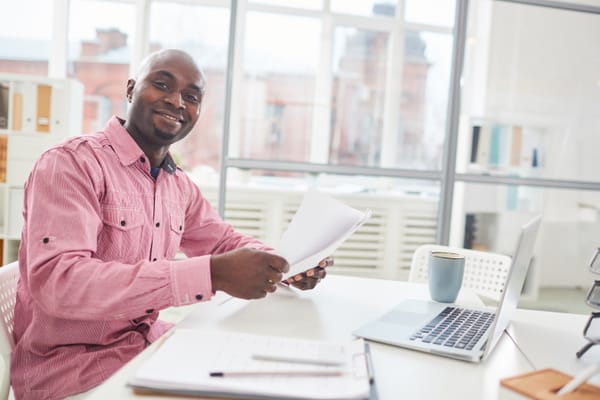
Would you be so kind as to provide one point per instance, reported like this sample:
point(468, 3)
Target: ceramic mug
point(446, 272)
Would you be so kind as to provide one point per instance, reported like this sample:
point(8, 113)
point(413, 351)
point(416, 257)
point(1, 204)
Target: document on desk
point(233, 365)
point(321, 224)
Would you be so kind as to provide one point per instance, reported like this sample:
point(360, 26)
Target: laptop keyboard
point(455, 327)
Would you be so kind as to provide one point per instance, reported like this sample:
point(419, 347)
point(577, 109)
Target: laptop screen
point(516, 278)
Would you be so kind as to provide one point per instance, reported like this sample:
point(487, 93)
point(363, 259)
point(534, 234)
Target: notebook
point(449, 330)
point(236, 365)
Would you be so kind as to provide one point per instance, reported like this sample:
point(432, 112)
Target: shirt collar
point(127, 149)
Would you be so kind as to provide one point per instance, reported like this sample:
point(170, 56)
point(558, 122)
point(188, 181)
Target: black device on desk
point(593, 297)
point(591, 330)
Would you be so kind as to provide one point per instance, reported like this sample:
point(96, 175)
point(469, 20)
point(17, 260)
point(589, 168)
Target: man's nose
point(176, 99)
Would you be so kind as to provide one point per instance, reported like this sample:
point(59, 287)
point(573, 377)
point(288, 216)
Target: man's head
point(165, 98)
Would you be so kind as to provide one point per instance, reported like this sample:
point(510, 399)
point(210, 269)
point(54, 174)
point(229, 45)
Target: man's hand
point(247, 273)
point(310, 278)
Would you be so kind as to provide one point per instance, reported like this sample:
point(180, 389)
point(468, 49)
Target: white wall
point(541, 67)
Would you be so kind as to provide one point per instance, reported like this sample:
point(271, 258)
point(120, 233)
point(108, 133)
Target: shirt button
point(142, 159)
point(199, 296)
point(45, 240)
point(180, 227)
point(150, 311)
point(123, 223)
point(154, 259)
point(158, 224)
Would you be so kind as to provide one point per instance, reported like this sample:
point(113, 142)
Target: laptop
point(450, 330)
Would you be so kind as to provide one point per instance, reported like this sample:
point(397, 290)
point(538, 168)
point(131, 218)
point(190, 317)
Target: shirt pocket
point(121, 236)
point(177, 227)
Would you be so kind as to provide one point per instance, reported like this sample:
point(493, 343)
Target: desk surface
point(332, 311)
point(550, 340)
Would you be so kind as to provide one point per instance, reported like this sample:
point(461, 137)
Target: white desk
point(551, 339)
point(332, 311)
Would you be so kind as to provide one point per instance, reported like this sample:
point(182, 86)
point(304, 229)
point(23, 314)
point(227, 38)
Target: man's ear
point(130, 86)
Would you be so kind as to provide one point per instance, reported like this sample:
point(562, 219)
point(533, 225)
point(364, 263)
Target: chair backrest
point(9, 275)
point(485, 273)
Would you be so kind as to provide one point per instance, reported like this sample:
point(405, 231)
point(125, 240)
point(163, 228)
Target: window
point(279, 66)
point(275, 113)
point(365, 7)
point(24, 50)
point(358, 90)
point(431, 12)
point(307, 4)
point(203, 32)
point(100, 38)
point(424, 102)
point(358, 95)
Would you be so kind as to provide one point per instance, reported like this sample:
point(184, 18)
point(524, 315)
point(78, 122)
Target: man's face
point(165, 101)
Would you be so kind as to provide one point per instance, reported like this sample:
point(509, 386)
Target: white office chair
point(9, 275)
point(485, 272)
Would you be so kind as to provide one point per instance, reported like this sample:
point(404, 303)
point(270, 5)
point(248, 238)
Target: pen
point(373, 395)
point(369, 363)
point(226, 374)
point(297, 359)
point(579, 379)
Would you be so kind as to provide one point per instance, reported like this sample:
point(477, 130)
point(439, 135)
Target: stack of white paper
point(320, 226)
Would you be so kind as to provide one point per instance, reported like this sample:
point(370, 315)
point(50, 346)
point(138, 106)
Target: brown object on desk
point(544, 383)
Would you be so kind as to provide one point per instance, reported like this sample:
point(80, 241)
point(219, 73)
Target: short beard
point(169, 137)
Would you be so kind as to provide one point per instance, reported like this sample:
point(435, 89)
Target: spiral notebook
point(246, 366)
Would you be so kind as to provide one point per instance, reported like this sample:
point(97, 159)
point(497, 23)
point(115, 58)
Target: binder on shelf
point(44, 96)
point(24, 114)
point(469, 231)
point(475, 132)
point(483, 147)
point(17, 112)
point(4, 100)
point(516, 145)
point(231, 365)
point(3, 154)
point(494, 158)
point(499, 146)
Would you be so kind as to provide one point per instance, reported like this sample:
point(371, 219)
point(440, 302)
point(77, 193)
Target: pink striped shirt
point(96, 260)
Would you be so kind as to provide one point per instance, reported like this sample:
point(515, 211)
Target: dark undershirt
point(154, 172)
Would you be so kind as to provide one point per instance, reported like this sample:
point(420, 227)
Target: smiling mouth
point(170, 117)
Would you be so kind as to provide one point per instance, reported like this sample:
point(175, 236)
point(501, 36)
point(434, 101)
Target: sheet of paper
point(321, 224)
point(185, 360)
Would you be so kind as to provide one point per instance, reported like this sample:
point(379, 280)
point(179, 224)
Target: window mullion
point(57, 62)
point(321, 132)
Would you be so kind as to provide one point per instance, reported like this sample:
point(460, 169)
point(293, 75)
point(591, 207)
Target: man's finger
point(326, 262)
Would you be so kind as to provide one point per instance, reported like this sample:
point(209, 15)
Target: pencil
point(319, 373)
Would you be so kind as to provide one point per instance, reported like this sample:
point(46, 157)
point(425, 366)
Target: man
point(104, 217)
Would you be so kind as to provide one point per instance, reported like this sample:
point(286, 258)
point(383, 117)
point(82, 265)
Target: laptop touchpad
point(403, 317)
point(411, 313)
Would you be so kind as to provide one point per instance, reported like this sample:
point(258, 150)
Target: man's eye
point(160, 84)
point(191, 98)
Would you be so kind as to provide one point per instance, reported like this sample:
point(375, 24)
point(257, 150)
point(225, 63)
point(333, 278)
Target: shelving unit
point(506, 147)
point(35, 113)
